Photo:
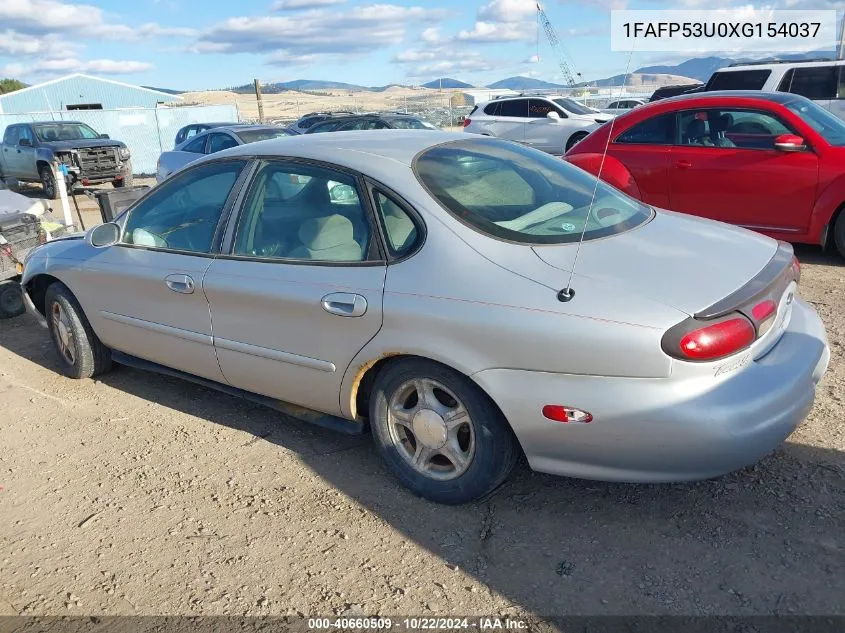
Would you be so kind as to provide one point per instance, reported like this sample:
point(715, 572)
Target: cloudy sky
point(193, 44)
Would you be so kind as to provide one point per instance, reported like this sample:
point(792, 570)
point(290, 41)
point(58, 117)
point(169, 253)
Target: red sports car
point(771, 162)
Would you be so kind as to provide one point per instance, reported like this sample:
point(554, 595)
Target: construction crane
point(555, 44)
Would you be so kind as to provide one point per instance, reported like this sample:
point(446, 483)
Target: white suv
point(823, 81)
point(549, 123)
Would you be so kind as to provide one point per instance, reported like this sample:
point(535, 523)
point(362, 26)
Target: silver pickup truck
point(29, 149)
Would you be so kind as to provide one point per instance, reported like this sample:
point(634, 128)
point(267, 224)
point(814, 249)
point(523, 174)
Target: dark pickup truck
point(29, 149)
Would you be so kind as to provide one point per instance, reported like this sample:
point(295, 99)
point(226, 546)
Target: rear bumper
point(659, 430)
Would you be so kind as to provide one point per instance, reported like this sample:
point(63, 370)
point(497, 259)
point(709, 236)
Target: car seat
point(718, 128)
point(50, 135)
point(329, 238)
point(696, 133)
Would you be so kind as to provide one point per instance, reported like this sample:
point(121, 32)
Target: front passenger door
point(144, 296)
point(299, 293)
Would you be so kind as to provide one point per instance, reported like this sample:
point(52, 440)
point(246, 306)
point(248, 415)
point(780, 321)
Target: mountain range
point(698, 68)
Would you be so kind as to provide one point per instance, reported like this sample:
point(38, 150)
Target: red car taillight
point(718, 340)
point(467, 122)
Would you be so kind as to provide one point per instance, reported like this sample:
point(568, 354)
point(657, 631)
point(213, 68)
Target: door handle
point(683, 164)
point(344, 304)
point(180, 283)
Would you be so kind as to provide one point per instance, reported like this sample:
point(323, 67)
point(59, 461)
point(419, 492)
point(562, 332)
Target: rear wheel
point(575, 138)
point(11, 299)
point(839, 233)
point(81, 354)
point(439, 433)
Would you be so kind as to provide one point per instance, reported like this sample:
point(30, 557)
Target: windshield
point(829, 126)
point(573, 106)
point(412, 124)
point(520, 194)
point(64, 132)
point(253, 136)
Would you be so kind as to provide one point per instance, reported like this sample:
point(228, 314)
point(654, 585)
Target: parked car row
point(201, 139)
point(467, 298)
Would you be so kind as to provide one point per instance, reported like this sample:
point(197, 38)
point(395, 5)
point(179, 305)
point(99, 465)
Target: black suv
point(393, 120)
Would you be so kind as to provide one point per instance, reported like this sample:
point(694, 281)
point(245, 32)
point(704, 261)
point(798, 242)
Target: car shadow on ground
point(765, 540)
point(810, 254)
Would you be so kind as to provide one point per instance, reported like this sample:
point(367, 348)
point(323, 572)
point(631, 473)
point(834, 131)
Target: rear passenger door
point(298, 292)
point(511, 118)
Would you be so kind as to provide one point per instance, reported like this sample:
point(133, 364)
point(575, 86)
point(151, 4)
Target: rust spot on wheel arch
point(359, 377)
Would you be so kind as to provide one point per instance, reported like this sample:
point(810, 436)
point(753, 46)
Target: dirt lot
point(138, 494)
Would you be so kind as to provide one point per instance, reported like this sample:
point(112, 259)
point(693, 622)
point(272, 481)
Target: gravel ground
point(139, 494)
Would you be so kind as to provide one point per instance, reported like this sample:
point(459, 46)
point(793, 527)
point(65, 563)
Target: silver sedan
point(468, 299)
point(213, 140)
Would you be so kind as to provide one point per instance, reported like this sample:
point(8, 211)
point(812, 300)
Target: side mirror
point(103, 235)
point(790, 143)
point(554, 116)
point(104, 136)
point(25, 142)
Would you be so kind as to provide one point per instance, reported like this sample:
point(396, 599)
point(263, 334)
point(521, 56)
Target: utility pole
point(840, 53)
point(260, 103)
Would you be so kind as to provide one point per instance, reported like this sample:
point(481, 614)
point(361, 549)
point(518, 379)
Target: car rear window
point(517, 193)
point(253, 136)
point(739, 80)
point(411, 124)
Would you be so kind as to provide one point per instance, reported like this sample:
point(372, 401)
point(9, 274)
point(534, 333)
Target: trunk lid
point(679, 260)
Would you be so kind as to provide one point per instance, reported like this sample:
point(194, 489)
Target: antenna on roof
point(568, 293)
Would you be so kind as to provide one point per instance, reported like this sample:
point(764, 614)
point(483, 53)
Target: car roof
point(350, 149)
point(758, 95)
point(51, 123)
point(782, 63)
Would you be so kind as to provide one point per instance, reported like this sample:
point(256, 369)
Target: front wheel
point(48, 182)
point(839, 233)
point(442, 437)
point(574, 139)
point(11, 299)
point(81, 354)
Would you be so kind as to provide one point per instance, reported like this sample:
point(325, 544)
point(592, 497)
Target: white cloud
point(360, 29)
point(68, 65)
point(493, 32)
point(508, 11)
point(431, 35)
point(152, 29)
point(13, 44)
point(292, 5)
point(532, 60)
point(284, 58)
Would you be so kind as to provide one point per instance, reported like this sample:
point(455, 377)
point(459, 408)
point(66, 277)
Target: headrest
point(696, 129)
point(327, 232)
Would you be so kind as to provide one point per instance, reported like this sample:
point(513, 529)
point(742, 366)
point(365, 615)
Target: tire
point(839, 233)
point(88, 356)
point(11, 299)
point(483, 447)
point(48, 182)
point(127, 180)
point(575, 138)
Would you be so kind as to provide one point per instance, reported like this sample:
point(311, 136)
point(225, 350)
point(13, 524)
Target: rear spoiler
point(772, 280)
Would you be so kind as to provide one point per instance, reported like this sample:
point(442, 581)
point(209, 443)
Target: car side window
point(183, 213)
point(197, 146)
point(217, 142)
point(739, 80)
point(25, 132)
point(539, 108)
point(657, 130)
point(11, 135)
point(514, 108)
point(492, 109)
point(303, 212)
point(399, 228)
point(727, 128)
point(814, 82)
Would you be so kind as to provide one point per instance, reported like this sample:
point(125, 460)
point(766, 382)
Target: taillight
point(764, 310)
point(796, 269)
point(566, 415)
point(718, 340)
point(467, 121)
point(700, 340)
